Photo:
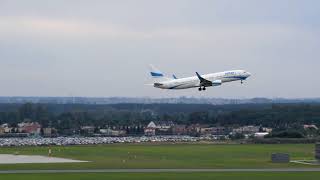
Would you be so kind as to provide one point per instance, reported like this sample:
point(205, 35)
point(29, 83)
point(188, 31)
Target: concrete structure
point(280, 158)
point(317, 151)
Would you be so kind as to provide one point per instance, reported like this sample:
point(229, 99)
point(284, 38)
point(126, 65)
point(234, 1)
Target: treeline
point(74, 116)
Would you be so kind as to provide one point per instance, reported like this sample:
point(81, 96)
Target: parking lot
point(62, 141)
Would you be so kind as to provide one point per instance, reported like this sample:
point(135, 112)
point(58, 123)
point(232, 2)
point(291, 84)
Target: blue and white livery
point(198, 81)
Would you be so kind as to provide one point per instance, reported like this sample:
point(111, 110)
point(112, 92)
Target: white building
point(246, 130)
point(161, 127)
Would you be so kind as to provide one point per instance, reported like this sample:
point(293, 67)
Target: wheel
point(204, 88)
point(200, 89)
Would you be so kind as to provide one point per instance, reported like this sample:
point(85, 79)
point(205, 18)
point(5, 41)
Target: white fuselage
point(192, 82)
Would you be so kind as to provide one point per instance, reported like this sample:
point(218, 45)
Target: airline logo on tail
point(155, 73)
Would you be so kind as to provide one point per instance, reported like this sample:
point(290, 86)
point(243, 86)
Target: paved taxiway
point(25, 159)
point(157, 170)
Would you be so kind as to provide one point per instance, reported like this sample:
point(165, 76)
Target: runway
point(157, 170)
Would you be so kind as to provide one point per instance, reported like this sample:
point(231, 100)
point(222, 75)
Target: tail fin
point(157, 75)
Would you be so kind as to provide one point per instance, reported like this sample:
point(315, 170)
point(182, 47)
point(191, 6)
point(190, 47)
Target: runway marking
point(156, 170)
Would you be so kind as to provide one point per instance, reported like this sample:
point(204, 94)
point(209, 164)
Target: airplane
point(199, 81)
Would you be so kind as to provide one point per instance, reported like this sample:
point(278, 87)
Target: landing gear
point(202, 88)
point(241, 81)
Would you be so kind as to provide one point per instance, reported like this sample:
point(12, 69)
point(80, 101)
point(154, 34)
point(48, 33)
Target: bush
point(285, 134)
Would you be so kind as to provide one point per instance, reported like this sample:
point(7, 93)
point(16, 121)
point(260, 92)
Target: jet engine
point(216, 83)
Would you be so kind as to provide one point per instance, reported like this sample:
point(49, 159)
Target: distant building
point(206, 131)
point(150, 131)
point(112, 132)
point(159, 128)
point(220, 131)
point(212, 130)
point(87, 130)
point(179, 130)
point(265, 129)
point(162, 124)
point(246, 130)
point(151, 125)
point(30, 128)
point(5, 125)
point(5, 128)
point(49, 132)
point(9, 130)
point(194, 129)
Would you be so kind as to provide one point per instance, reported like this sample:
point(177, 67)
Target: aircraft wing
point(204, 82)
point(174, 76)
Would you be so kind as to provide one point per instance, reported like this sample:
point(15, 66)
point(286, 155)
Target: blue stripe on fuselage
point(173, 87)
point(239, 77)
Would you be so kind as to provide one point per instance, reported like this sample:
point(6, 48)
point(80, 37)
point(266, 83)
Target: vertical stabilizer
point(157, 75)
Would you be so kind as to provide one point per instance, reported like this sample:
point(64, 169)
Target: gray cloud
point(102, 48)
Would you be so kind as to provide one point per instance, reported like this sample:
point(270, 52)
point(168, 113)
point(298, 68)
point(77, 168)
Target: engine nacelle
point(216, 83)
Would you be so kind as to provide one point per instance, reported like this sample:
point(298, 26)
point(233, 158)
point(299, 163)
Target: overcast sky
point(103, 48)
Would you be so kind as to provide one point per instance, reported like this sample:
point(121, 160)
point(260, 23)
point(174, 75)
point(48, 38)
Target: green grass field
point(165, 156)
point(164, 176)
